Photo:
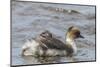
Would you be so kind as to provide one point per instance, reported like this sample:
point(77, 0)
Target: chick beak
point(81, 36)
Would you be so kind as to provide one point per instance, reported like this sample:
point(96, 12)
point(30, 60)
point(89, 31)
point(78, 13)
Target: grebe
point(46, 45)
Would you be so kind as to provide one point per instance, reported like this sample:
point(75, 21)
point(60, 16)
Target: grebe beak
point(80, 36)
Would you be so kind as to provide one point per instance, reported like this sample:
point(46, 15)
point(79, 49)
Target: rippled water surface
point(31, 18)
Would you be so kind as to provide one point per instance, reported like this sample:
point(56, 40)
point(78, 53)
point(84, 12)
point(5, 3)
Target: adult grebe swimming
point(46, 45)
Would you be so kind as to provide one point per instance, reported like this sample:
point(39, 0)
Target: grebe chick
point(46, 45)
point(31, 46)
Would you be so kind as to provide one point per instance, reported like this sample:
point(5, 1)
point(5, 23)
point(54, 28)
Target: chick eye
point(47, 34)
point(43, 33)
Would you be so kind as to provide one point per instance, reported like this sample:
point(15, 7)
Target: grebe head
point(45, 35)
point(74, 33)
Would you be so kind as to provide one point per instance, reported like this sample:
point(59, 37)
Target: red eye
point(77, 34)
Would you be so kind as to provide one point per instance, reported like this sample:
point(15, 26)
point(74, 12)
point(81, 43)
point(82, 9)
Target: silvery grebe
point(46, 45)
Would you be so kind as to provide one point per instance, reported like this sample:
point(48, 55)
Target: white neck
point(71, 42)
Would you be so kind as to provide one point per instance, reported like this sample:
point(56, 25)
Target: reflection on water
point(44, 60)
point(29, 19)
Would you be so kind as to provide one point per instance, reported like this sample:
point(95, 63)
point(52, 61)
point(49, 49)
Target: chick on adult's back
point(47, 45)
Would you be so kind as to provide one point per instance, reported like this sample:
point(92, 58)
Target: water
point(29, 19)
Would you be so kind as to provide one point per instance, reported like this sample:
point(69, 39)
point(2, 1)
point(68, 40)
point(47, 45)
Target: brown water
point(29, 19)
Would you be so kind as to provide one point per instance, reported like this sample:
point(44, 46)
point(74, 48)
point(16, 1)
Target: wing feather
point(53, 43)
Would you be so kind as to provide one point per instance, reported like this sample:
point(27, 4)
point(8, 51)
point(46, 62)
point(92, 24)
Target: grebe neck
point(71, 42)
